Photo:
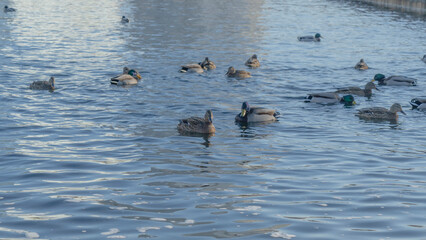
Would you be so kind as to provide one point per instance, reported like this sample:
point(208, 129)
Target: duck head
point(134, 74)
point(318, 36)
point(396, 107)
point(348, 100)
point(208, 116)
point(379, 77)
point(254, 56)
point(245, 108)
point(371, 85)
point(52, 82)
point(231, 70)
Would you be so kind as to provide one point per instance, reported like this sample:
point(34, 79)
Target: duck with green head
point(237, 73)
point(394, 80)
point(197, 124)
point(253, 62)
point(8, 9)
point(43, 85)
point(316, 38)
point(366, 92)
point(255, 114)
point(330, 98)
point(380, 113)
point(129, 77)
point(361, 65)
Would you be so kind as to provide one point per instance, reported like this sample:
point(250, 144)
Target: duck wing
point(261, 110)
point(329, 95)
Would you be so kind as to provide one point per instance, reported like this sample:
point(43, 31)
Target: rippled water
point(95, 161)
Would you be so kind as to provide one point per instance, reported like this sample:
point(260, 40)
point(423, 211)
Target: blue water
point(95, 161)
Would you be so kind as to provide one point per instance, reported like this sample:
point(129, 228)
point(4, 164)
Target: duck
point(43, 85)
point(197, 124)
point(237, 73)
point(366, 92)
point(424, 58)
point(316, 38)
point(394, 80)
point(124, 19)
point(193, 67)
point(253, 62)
point(418, 103)
point(8, 9)
point(255, 114)
point(380, 113)
point(361, 65)
point(330, 98)
point(207, 64)
point(129, 77)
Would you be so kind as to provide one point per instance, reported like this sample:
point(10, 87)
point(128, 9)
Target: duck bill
point(353, 103)
point(243, 112)
point(139, 76)
point(377, 89)
point(403, 112)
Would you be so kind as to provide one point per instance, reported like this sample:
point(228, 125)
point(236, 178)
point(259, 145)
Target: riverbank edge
point(413, 6)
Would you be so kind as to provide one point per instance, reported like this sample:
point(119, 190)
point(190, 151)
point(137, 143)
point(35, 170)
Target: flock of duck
point(251, 114)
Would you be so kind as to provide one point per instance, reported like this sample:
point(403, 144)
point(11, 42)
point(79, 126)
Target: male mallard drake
point(253, 62)
point(207, 64)
point(197, 124)
point(424, 58)
point(43, 85)
point(194, 67)
point(380, 113)
point(8, 9)
point(237, 73)
point(395, 80)
point(255, 114)
point(129, 77)
point(124, 19)
point(366, 92)
point(316, 38)
point(418, 103)
point(361, 65)
point(330, 98)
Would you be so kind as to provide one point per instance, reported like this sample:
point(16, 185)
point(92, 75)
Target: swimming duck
point(197, 124)
point(207, 64)
point(129, 77)
point(8, 9)
point(255, 114)
point(418, 103)
point(424, 58)
point(330, 98)
point(237, 73)
point(316, 38)
point(380, 113)
point(394, 80)
point(124, 19)
point(361, 65)
point(194, 67)
point(43, 85)
point(253, 62)
point(366, 92)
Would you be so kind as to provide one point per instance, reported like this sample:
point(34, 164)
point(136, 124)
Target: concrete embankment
point(415, 6)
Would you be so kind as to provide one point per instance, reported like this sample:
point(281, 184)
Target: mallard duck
point(366, 92)
point(380, 113)
point(124, 19)
point(8, 9)
point(330, 98)
point(207, 64)
point(194, 67)
point(255, 114)
point(197, 124)
point(424, 58)
point(237, 73)
point(253, 62)
point(395, 80)
point(418, 103)
point(361, 65)
point(129, 77)
point(43, 85)
point(316, 38)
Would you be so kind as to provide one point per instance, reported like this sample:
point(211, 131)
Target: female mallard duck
point(418, 103)
point(330, 98)
point(366, 92)
point(361, 65)
point(253, 62)
point(316, 38)
point(194, 67)
point(237, 73)
point(395, 80)
point(43, 85)
point(380, 113)
point(129, 77)
point(124, 19)
point(424, 58)
point(255, 114)
point(207, 64)
point(8, 9)
point(197, 124)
